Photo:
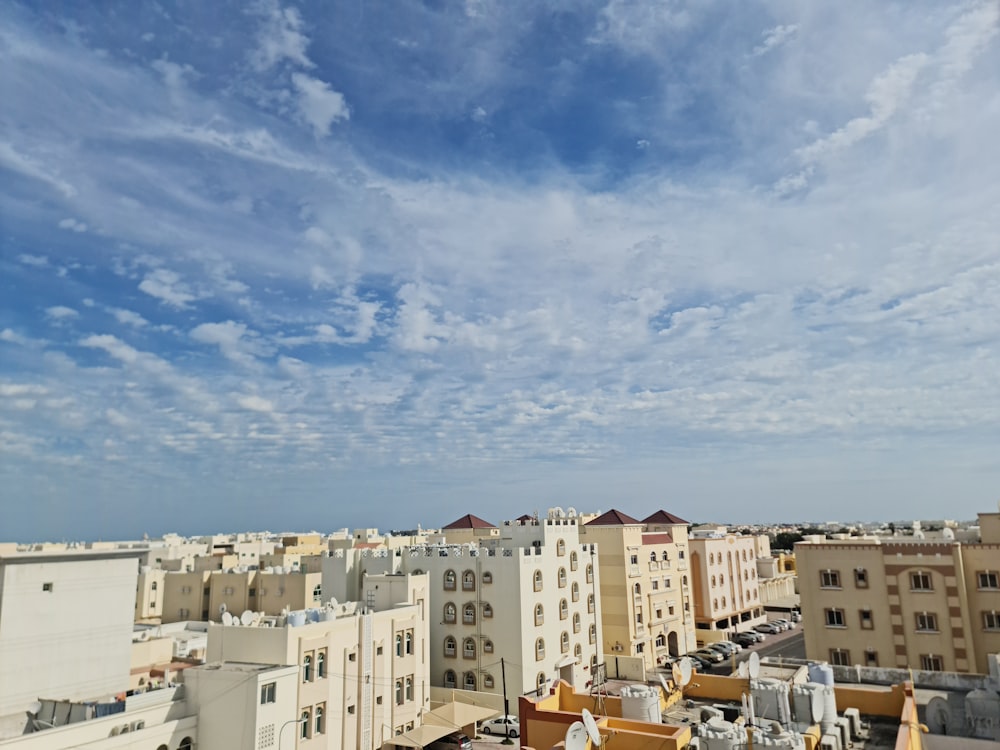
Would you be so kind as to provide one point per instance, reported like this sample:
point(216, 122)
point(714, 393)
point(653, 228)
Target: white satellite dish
point(591, 726)
point(246, 618)
point(743, 670)
point(685, 669)
point(576, 736)
point(816, 706)
point(675, 672)
point(227, 618)
point(666, 687)
point(222, 608)
point(754, 665)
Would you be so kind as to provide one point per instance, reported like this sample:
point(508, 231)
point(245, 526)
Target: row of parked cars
point(716, 653)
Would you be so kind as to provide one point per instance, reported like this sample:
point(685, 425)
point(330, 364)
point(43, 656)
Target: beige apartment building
point(205, 595)
point(928, 605)
point(724, 576)
point(645, 593)
point(363, 667)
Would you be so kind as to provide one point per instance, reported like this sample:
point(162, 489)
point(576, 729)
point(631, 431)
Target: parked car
point(453, 741)
point(723, 647)
point(702, 664)
point(746, 639)
point(709, 655)
point(796, 617)
point(505, 726)
point(738, 647)
point(786, 624)
point(767, 627)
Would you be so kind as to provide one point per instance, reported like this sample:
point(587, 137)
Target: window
point(573, 560)
point(711, 558)
point(576, 622)
point(488, 646)
point(590, 573)
point(399, 692)
point(399, 639)
point(590, 602)
point(575, 591)
point(634, 559)
point(228, 591)
point(353, 656)
point(661, 641)
point(151, 588)
point(268, 692)
point(920, 581)
point(449, 580)
point(321, 664)
point(540, 681)
point(449, 612)
point(253, 591)
point(487, 609)
point(307, 665)
point(713, 581)
point(840, 657)
point(487, 680)
point(320, 715)
point(468, 581)
point(538, 580)
point(593, 633)
point(988, 579)
point(470, 681)
point(409, 642)
point(409, 688)
point(469, 613)
point(562, 578)
point(304, 730)
point(539, 649)
point(866, 619)
point(926, 622)
point(931, 663)
point(991, 620)
point(563, 609)
point(835, 618)
point(469, 648)
point(871, 657)
point(564, 642)
point(449, 646)
point(577, 650)
point(449, 678)
point(539, 614)
point(487, 577)
point(829, 579)
point(861, 578)
point(560, 547)
point(47, 587)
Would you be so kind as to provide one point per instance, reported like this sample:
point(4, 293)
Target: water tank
point(717, 734)
point(296, 619)
point(770, 698)
point(640, 703)
point(821, 673)
point(312, 615)
point(776, 736)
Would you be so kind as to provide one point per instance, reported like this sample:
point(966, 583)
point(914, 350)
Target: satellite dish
point(666, 687)
point(227, 618)
point(685, 670)
point(576, 736)
point(754, 665)
point(743, 670)
point(675, 672)
point(938, 715)
point(816, 706)
point(246, 618)
point(222, 608)
point(591, 726)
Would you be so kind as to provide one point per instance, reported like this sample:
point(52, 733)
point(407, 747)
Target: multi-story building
point(903, 602)
point(724, 576)
point(524, 607)
point(645, 594)
point(363, 667)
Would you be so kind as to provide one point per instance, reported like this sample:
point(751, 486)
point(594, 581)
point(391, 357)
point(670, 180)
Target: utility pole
point(506, 708)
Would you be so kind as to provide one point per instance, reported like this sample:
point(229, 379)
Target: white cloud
point(280, 36)
point(319, 105)
point(130, 318)
point(60, 312)
point(38, 261)
point(773, 38)
point(255, 403)
point(29, 167)
point(235, 341)
point(73, 225)
point(167, 287)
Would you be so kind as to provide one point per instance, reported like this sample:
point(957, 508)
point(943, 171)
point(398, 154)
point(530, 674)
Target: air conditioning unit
point(137, 725)
point(618, 647)
point(125, 729)
point(115, 731)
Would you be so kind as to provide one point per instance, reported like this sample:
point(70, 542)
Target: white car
point(505, 726)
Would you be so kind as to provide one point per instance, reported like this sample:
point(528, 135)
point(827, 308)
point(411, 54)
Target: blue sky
point(315, 265)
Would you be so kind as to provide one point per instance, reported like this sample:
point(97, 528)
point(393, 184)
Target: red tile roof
point(661, 516)
point(613, 518)
point(661, 538)
point(469, 521)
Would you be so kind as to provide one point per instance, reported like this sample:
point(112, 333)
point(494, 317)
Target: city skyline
point(276, 265)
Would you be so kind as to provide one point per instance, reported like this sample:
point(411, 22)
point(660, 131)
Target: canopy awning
point(566, 661)
point(457, 715)
point(420, 736)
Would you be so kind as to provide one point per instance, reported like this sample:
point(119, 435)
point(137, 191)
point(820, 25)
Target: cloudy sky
point(312, 265)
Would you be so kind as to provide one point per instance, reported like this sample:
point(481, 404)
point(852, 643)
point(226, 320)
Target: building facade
point(725, 581)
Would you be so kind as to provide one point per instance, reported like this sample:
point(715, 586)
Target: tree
point(787, 539)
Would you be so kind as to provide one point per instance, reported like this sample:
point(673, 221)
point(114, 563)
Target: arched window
point(684, 580)
point(576, 622)
point(593, 664)
point(417, 572)
point(660, 641)
point(488, 646)
point(399, 692)
point(577, 650)
point(409, 688)
point(574, 561)
point(666, 556)
point(563, 609)
point(539, 614)
point(153, 586)
point(487, 680)
point(575, 589)
point(538, 580)
point(562, 578)
point(449, 612)
point(307, 667)
point(321, 665)
point(468, 581)
point(469, 648)
point(722, 579)
point(540, 681)
point(593, 633)
point(487, 577)
point(590, 573)
point(590, 602)
point(487, 609)
point(539, 649)
point(637, 589)
point(449, 580)
point(469, 613)
point(746, 575)
point(319, 720)
point(304, 728)
point(713, 580)
point(409, 642)
point(715, 604)
point(564, 642)
point(318, 592)
point(560, 547)
point(449, 646)
point(449, 678)
point(399, 637)
point(186, 744)
point(723, 602)
point(470, 681)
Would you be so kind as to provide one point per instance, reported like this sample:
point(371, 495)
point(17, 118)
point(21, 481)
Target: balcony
point(633, 571)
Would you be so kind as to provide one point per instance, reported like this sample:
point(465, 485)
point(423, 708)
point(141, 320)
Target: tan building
point(725, 582)
point(205, 595)
point(363, 670)
point(928, 605)
point(149, 594)
point(645, 594)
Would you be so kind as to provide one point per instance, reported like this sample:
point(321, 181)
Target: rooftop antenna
point(576, 736)
point(591, 727)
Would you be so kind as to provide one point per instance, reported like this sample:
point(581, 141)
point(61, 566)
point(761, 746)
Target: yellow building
point(927, 605)
point(724, 579)
point(205, 595)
